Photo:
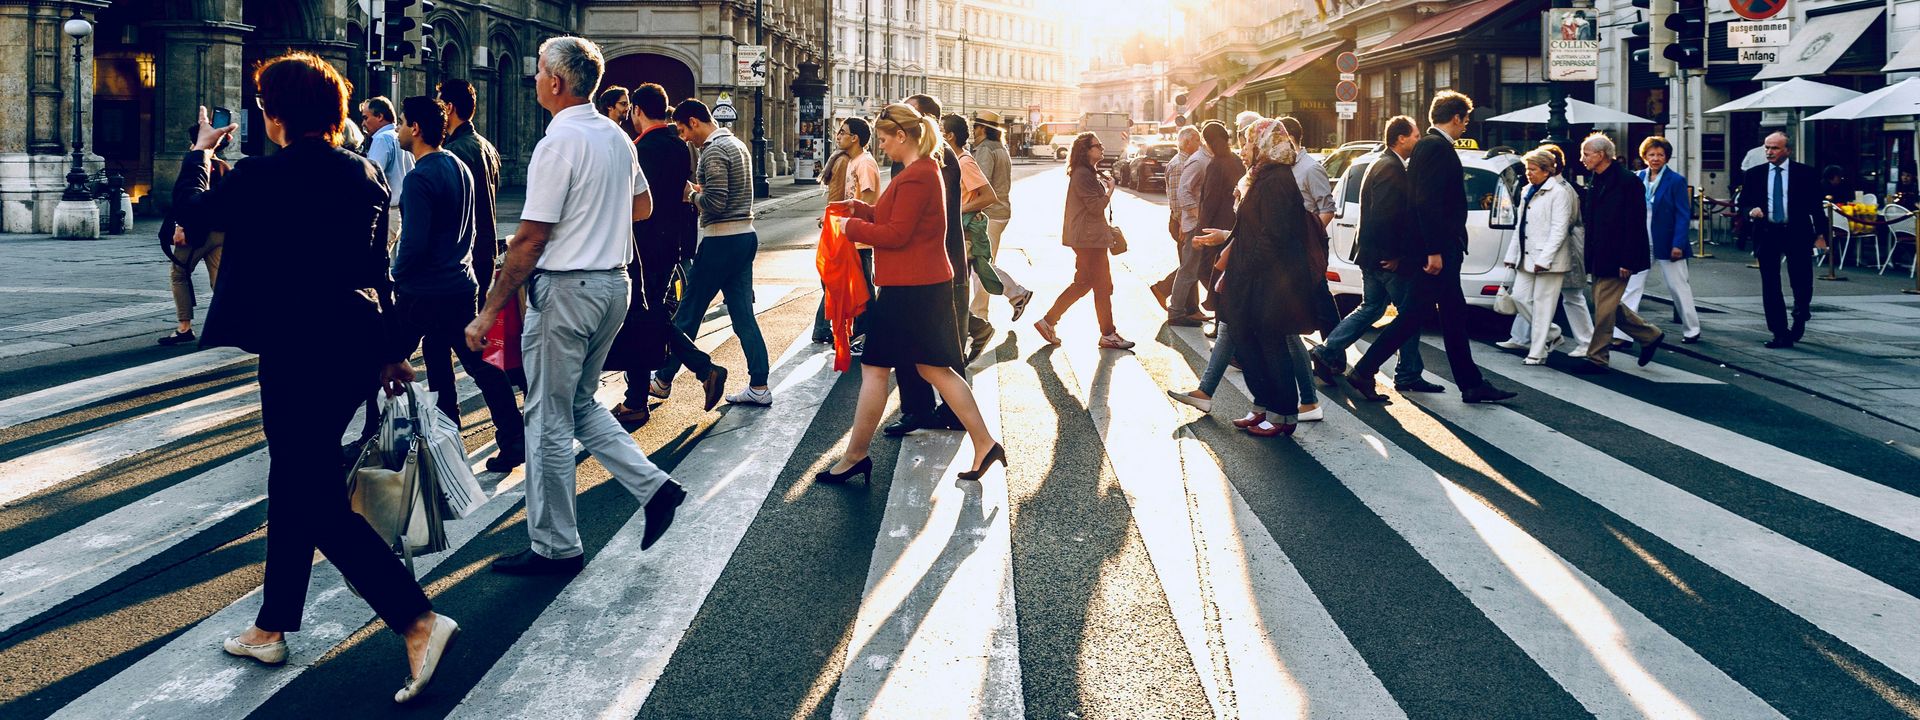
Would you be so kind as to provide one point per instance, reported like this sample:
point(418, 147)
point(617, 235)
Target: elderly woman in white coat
point(1541, 251)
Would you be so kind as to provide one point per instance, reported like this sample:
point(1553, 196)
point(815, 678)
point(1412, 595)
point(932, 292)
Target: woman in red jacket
point(910, 323)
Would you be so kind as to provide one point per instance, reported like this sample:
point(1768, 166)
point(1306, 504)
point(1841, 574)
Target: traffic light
point(376, 46)
point(421, 34)
point(1654, 30)
point(406, 38)
point(1689, 26)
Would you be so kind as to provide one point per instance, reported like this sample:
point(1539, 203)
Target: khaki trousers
point(1610, 312)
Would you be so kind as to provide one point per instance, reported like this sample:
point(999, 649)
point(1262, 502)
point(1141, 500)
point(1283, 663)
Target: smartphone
point(222, 117)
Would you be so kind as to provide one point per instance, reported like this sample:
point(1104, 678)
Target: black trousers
point(1771, 244)
point(653, 281)
point(1267, 360)
point(1433, 297)
point(441, 320)
point(306, 400)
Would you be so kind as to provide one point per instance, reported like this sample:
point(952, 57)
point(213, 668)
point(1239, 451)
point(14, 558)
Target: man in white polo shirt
point(584, 191)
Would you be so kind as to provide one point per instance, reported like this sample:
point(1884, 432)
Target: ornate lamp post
point(760, 187)
point(963, 71)
point(77, 217)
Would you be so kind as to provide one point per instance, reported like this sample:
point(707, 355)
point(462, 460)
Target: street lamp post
point(76, 217)
point(963, 71)
point(760, 187)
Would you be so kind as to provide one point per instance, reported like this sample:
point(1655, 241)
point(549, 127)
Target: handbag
point(502, 348)
point(1504, 303)
point(402, 501)
point(1116, 239)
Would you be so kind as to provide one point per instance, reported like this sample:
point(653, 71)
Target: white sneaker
point(659, 389)
point(1204, 405)
point(1510, 345)
point(750, 396)
point(1315, 415)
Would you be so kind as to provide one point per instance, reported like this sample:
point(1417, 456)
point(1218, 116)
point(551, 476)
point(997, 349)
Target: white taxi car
point(1493, 179)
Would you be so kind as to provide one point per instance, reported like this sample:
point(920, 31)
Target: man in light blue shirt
point(383, 148)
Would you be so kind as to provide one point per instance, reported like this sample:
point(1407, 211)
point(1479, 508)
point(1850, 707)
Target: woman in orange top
point(910, 323)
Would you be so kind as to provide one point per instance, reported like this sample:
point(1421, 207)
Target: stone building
point(879, 54)
point(1008, 56)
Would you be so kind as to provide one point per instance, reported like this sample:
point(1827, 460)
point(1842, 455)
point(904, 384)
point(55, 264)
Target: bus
point(1050, 139)
point(1113, 130)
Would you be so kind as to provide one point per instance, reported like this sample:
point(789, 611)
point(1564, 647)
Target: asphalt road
point(1678, 541)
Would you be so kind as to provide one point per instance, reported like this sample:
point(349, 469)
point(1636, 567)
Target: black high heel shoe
point(864, 469)
point(986, 461)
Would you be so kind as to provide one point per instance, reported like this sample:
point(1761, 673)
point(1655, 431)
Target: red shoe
point(1250, 420)
point(1267, 429)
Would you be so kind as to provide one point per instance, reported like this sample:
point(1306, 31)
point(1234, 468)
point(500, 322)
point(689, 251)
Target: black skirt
point(911, 325)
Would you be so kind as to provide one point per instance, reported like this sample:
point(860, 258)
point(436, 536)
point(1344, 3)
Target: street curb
point(773, 204)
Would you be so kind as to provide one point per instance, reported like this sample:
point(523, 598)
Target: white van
point(1115, 131)
point(1494, 179)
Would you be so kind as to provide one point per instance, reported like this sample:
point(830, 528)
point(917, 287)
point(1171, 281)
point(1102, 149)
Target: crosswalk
point(1616, 546)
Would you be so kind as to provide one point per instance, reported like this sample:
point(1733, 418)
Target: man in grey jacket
point(722, 190)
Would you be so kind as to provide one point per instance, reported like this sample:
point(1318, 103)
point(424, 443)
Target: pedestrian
point(1541, 252)
point(383, 148)
point(1185, 173)
point(584, 190)
point(721, 190)
point(615, 103)
point(483, 162)
point(191, 249)
point(1669, 216)
point(1243, 124)
point(433, 279)
point(1086, 231)
point(1781, 200)
point(1268, 287)
point(1207, 197)
point(976, 195)
point(1387, 232)
point(1573, 286)
point(316, 207)
point(1317, 192)
point(851, 175)
point(662, 242)
point(1438, 188)
point(910, 323)
point(1615, 215)
point(997, 165)
point(919, 409)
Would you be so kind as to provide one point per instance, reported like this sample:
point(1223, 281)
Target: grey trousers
point(572, 318)
point(1196, 266)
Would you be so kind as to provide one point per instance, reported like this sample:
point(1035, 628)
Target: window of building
point(913, 11)
point(1443, 75)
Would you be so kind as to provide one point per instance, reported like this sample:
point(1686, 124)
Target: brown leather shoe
point(631, 415)
point(716, 386)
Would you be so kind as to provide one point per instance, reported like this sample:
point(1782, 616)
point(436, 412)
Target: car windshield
point(1162, 153)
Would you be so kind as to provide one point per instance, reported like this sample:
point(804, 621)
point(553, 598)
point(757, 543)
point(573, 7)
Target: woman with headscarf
point(1267, 291)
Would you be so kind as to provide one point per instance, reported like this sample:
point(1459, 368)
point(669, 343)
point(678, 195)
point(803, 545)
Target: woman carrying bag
point(1086, 231)
point(1541, 251)
point(304, 286)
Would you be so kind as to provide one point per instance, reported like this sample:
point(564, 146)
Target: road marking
point(92, 291)
point(599, 648)
point(29, 347)
point(1857, 608)
point(42, 469)
point(935, 636)
point(97, 317)
point(1843, 491)
point(55, 400)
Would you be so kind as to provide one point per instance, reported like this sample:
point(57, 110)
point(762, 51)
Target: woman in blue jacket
point(1669, 212)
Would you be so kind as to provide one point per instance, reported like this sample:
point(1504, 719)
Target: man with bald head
point(1781, 199)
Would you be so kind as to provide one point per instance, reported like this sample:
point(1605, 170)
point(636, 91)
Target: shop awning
point(1251, 75)
point(1451, 22)
point(1290, 65)
point(1907, 59)
point(1199, 94)
point(1819, 42)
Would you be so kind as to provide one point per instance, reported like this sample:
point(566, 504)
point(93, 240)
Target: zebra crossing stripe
point(55, 400)
point(1860, 610)
point(935, 635)
point(601, 645)
point(1851, 494)
point(42, 469)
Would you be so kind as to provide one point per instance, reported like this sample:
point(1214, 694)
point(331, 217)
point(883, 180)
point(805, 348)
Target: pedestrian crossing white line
point(1862, 611)
point(1851, 494)
point(935, 635)
point(599, 648)
point(96, 317)
point(55, 400)
point(1659, 373)
point(42, 469)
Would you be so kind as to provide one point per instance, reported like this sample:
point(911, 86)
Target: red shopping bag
point(846, 286)
point(503, 340)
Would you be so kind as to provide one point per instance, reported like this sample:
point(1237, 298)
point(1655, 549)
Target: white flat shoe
point(1578, 352)
point(273, 653)
point(1314, 415)
point(1510, 345)
point(1534, 361)
point(1204, 405)
point(444, 628)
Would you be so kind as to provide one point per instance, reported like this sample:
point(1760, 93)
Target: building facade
point(1113, 85)
point(879, 52)
point(1007, 56)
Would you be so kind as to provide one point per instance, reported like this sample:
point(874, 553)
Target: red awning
point(1292, 65)
point(1451, 22)
point(1247, 78)
point(1199, 94)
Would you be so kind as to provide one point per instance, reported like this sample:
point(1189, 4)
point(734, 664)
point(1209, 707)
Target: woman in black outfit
point(304, 286)
point(1268, 290)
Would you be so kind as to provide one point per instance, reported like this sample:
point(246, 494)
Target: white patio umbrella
point(1579, 112)
point(1793, 94)
point(1901, 98)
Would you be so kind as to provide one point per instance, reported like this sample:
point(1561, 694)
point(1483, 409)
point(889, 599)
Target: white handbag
point(402, 500)
point(1503, 303)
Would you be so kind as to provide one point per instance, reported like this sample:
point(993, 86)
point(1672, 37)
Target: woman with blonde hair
point(1086, 231)
point(1541, 252)
point(910, 323)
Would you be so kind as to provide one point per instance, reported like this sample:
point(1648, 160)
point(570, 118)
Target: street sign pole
point(1346, 93)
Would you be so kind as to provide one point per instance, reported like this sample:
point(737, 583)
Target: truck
point(1114, 131)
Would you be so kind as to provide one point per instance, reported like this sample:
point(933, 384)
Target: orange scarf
point(839, 266)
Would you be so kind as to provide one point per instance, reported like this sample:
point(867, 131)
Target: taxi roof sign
point(1466, 144)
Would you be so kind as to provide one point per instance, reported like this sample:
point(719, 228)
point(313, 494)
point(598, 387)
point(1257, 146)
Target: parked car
point(1147, 168)
point(1493, 182)
point(1062, 145)
point(1336, 162)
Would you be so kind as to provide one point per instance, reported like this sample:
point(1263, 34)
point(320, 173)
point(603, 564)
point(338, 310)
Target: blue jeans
point(723, 266)
point(1380, 288)
point(1223, 347)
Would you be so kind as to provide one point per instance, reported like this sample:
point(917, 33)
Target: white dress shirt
point(582, 179)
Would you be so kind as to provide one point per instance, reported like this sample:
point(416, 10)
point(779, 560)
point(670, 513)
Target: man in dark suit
point(1385, 229)
point(1615, 212)
point(1781, 198)
point(1432, 262)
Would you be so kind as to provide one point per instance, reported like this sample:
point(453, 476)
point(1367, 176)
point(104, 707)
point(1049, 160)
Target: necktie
point(1779, 194)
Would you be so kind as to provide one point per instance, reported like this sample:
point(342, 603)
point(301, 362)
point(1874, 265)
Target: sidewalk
point(66, 293)
point(1862, 346)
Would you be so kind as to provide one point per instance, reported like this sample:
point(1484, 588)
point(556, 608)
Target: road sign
point(1759, 55)
point(1345, 91)
point(1765, 33)
point(723, 108)
point(1758, 9)
point(1346, 109)
point(750, 66)
point(1347, 62)
point(1348, 77)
